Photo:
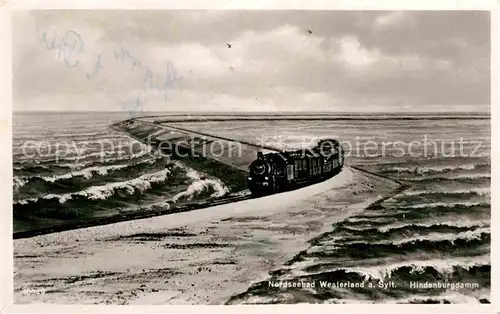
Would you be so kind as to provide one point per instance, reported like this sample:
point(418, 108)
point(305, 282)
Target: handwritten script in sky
point(71, 49)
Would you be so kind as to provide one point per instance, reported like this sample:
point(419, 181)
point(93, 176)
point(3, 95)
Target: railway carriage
point(276, 172)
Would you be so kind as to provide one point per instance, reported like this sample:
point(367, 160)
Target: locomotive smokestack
point(260, 155)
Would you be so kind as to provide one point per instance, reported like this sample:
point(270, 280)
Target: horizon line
point(258, 112)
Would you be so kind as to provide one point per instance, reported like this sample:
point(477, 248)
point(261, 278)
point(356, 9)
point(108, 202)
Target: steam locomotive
point(277, 172)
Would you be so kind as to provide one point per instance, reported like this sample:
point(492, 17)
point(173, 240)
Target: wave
point(122, 154)
point(47, 170)
point(72, 141)
point(381, 226)
point(29, 136)
point(459, 178)
point(435, 242)
point(101, 192)
point(133, 149)
point(345, 236)
point(157, 206)
point(19, 182)
point(450, 225)
point(455, 273)
point(404, 229)
point(117, 194)
point(468, 235)
point(409, 198)
point(440, 205)
point(476, 210)
point(73, 157)
point(78, 162)
point(200, 184)
point(439, 268)
point(435, 169)
point(465, 192)
point(387, 210)
point(57, 155)
point(40, 167)
point(444, 267)
point(29, 171)
point(449, 297)
point(85, 173)
point(405, 164)
point(126, 144)
point(445, 298)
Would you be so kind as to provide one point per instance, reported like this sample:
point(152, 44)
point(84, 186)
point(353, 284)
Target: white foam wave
point(75, 165)
point(365, 219)
point(241, 193)
point(113, 155)
point(387, 270)
point(444, 298)
point(474, 176)
point(458, 177)
point(478, 191)
point(30, 136)
point(432, 237)
point(19, 182)
point(199, 185)
point(443, 204)
point(443, 266)
point(72, 157)
point(101, 155)
point(436, 237)
point(77, 141)
point(157, 206)
point(87, 173)
point(433, 169)
point(102, 192)
point(77, 156)
point(79, 165)
point(452, 297)
point(459, 224)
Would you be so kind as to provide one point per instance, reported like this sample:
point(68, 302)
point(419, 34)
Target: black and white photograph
point(244, 157)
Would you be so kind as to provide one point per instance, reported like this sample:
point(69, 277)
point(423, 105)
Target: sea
point(71, 167)
point(436, 229)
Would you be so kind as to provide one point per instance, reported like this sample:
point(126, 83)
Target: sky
point(336, 61)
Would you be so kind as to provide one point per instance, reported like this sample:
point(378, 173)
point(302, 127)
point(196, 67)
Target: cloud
point(205, 61)
point(393, 19)
point(354, 55)
point(279, 60)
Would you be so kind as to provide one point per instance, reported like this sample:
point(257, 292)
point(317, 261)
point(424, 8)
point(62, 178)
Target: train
point(286, 170)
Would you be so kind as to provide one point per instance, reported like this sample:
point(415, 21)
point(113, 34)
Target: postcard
point(229, 156)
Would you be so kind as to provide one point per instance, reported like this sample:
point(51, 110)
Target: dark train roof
point(314, 151)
